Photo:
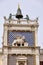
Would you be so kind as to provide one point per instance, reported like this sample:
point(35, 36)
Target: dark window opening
point(41, 62)
point(18, 44)
point(22, 44)
point(15, 44)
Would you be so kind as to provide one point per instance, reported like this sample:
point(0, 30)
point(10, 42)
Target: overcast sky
point(34, 8)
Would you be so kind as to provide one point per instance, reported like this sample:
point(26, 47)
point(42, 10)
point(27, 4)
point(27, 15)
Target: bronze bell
point(19, 13)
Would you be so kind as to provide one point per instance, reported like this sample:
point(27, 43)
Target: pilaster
point(17, 63)
point(5, 36)
point(5, 59)
point(37, 60)
point(36, 37)
point(25, 62)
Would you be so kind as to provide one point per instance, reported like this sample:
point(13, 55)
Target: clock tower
point(20, 45)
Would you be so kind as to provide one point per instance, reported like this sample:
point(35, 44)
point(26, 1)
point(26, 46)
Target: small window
point(21, 63)
point(22, 44)
point(18, 44)
point(15, 44)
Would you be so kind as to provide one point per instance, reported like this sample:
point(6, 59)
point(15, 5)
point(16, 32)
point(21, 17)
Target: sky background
point(34, 8)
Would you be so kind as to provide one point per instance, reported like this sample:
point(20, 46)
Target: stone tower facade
point(20, 42)
point(20, 45)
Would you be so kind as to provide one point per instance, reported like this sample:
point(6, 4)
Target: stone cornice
point(22, 47)
point(19, 25)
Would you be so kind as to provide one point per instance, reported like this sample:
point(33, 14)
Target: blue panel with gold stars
point(29, 37)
